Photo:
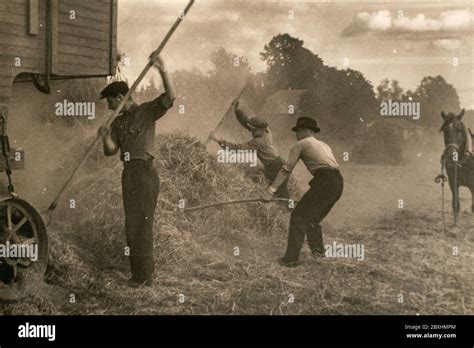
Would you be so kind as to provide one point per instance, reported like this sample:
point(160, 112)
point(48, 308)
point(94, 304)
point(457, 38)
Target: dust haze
point(290, 68)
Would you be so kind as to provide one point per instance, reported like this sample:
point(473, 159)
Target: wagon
point(41, 41)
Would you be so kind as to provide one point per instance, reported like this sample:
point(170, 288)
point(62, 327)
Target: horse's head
point(455, 135)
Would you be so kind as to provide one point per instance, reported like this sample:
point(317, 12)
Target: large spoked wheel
point(23, 246)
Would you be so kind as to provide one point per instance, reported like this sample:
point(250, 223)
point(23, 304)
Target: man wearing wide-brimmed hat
point(262, 142)
point(325, 190)
point(133, 133)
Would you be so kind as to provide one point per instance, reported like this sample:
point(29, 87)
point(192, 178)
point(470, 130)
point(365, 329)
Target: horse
point(457, 157)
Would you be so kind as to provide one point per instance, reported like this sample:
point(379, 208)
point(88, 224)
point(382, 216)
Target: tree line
point(337, 98)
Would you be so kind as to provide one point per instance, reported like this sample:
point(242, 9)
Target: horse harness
point(441, 178)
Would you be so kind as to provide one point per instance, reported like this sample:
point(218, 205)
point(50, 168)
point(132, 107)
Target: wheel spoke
point(18, 225)
point(22, 240)
point(9, 217)
point(15, 272)
point(25, 262)
point(22, 225)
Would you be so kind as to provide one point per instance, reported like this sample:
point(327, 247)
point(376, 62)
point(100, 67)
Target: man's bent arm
point(281, 177)
point(110, 146)
point(170, 90)
point(287, 168)
point(242, 118)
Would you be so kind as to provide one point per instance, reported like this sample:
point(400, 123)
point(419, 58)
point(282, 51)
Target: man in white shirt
point(325, 190)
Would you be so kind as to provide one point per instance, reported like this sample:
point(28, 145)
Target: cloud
point(383, 22)
point(447, 44)
point(216, 16)
point(168, 11)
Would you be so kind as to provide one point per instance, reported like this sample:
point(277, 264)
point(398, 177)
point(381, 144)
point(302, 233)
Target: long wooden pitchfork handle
point(221, 122)
point(237, 201)
point(109, 121)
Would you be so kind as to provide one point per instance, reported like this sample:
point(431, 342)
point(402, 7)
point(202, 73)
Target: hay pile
point(187, 172)
point(198, 271)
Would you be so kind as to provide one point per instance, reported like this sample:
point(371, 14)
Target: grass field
point(410, 266)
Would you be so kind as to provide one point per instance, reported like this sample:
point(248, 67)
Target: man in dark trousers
point(262, 142)
point(325, 190)
point(133, 132)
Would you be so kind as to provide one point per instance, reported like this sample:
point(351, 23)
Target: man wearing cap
point(262, 142)
point(133, 133)
point(325, 190)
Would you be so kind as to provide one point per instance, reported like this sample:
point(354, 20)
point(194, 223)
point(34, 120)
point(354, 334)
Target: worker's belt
point(319, 170)
point(138, 161)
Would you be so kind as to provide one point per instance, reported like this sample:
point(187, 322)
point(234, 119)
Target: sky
point(397, 40)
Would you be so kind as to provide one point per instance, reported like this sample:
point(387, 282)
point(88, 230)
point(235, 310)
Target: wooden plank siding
point(3, 101)
point(6, 81)
point(94, 5)
point(5, 92)
point(91, 53)
point(84, 46)
point(16, 43)
point(85, 12)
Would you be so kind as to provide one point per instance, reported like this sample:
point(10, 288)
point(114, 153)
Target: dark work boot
point(283, 261)
point(318, 254)
point(138, 284)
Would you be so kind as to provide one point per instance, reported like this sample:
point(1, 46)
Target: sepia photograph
point(237, 158)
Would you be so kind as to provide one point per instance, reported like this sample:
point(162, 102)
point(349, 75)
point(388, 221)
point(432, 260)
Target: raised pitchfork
point(109, 121)
point(221, 122)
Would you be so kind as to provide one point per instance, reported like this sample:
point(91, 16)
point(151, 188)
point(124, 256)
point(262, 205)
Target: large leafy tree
point(229, 74)
point(289, 64)
point(336, 98)
point(389, 90)
point(340, 100)
point(435, 95)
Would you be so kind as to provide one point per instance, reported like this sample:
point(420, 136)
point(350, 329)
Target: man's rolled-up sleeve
point(115, 131)
point(243, 118)
point(160, 106)
point(293, 158)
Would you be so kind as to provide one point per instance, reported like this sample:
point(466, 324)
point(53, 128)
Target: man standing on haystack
point(133, 132)
point(325, 190)
point(262, 143)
